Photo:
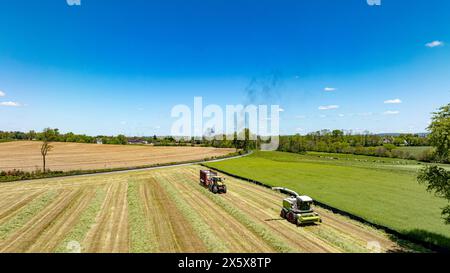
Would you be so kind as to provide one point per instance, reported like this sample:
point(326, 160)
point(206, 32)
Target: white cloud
point(329, 89)
point(393, 101)
point(10, 104)
point(2, 94)
point(434, 44)
point(341, 115)
point(391, 113)
point(281, 110)
point(328, 107)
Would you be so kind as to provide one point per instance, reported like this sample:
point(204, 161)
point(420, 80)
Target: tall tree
point(436, 178)
point(440, 133)
point(31, 135)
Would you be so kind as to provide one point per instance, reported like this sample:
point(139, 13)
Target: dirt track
point(25, 155)
point(165, 211)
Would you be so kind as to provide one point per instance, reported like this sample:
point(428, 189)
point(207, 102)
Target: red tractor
point(209, 179)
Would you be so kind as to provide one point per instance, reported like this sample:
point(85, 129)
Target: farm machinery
point(215, 184)
point(298, 209)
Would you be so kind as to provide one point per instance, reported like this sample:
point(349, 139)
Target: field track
point(25, 155)
point(164, 210)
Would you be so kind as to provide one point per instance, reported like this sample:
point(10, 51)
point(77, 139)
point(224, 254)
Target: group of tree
point(337, 141)
point(58, 137)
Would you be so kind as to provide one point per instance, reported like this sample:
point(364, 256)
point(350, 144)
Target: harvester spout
point(286, 190)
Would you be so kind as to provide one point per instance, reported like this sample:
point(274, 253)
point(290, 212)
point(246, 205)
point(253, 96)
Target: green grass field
point(415, 151)
point(383, 191)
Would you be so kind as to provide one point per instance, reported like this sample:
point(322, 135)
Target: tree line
point(58, 137)
point(337, 141)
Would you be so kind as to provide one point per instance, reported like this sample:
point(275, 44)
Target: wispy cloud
point(10, 104)
point(329, 89)
point(281, 110)
point(434, 44)
point(2, 94)
point(365, 114)
point(328, 107)
point(393, 101)
point(391, 113)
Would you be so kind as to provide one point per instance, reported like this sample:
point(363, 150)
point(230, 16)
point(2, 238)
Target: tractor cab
point(218, 180)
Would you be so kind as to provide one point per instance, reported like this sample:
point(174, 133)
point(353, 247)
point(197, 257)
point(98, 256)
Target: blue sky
point(110, 67)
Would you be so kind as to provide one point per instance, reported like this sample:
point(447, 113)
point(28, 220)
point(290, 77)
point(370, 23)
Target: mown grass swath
point(272, 240)
point(26, 213)
point(86, 221)
point(198, 224)
point(142, 240)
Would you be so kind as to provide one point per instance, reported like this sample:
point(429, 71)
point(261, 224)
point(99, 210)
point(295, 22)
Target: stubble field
point(25, 155)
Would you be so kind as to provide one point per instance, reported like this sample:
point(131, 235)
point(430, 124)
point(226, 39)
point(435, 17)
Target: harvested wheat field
point(165, 210)
point(25, 155)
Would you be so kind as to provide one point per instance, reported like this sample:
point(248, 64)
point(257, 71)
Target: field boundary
point(388, 230)
point(83, 173)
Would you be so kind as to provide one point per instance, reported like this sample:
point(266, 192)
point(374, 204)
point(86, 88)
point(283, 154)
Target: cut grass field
point(383, 191)
point(165, 210)
point(25, 155)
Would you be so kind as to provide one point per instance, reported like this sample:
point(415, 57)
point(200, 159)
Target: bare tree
point(45, 148)
point(47, 136)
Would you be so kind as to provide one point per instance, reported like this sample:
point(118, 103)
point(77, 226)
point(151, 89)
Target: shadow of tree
point(418, 240)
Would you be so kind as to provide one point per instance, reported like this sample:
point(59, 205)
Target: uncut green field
point(415, 151)
point(381, 190)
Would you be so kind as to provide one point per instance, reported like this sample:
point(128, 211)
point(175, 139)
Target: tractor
point(298, 209)
point(215, 184)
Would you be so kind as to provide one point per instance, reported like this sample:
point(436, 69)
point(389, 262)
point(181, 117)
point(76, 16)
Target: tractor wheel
point(291, 218)
point(283, 214)
point(224, 189)
point(215, 189)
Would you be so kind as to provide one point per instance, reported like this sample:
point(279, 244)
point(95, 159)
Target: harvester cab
point(298, 209)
